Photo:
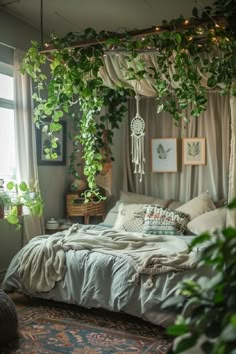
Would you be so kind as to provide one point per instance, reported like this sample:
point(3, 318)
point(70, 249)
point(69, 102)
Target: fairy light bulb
point(200, 30)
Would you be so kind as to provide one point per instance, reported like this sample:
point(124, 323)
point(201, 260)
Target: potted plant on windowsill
point(23, 196)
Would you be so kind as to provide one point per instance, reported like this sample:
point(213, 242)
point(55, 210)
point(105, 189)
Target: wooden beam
point(154, 30)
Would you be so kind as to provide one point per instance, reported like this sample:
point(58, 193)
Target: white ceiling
point(63, 16)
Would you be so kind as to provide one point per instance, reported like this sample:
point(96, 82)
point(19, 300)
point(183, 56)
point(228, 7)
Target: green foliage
point(74, 83)
point(208, 305)
point(23, 195)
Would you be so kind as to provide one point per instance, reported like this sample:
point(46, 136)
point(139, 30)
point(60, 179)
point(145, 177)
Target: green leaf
point(186, 343)
point(200, 239)
point(10, 185)
point(12, 219)
point(178, 38)
point(23, 187)
point(177, 329)
point(233, 320)
point(229, 333)
point(232, 204)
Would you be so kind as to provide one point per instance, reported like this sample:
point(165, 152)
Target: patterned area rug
point(47, 327)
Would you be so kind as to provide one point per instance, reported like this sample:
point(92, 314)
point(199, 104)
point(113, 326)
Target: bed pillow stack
point(150, 215)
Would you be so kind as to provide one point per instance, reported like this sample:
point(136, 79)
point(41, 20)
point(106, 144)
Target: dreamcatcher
point(137, 136)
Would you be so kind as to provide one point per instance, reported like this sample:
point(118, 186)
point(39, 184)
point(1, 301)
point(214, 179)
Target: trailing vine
point(184, 50)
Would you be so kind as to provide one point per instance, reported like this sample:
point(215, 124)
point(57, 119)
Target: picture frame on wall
point(43, 142)
point(194, 151)
point(164, 155)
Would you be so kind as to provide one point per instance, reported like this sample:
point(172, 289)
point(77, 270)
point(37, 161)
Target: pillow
point(111, 215)
point(130, 217)
point(215, 219)
point(134, 198)
point(164, 221)
point(197, 206)
point(174, 204)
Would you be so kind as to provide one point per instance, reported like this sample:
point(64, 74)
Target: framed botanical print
point(43, 142)
point(164, 155)
point(194, 151)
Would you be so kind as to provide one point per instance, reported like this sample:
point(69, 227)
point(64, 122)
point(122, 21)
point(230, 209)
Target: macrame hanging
point(137, 136)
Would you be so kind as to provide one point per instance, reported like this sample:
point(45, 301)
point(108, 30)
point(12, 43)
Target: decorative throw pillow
point(130, 217)
point(215, 219)
point(134, 198)
point(164, 221)
point(197, 206)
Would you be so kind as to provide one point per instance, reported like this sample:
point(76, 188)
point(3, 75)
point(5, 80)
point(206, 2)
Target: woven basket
point(75, 206)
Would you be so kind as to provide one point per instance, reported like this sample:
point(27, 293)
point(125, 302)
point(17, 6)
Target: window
point(7, 130)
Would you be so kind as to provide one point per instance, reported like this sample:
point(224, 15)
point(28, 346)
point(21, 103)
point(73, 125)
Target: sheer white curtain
point(189, 181)
point(26, 166)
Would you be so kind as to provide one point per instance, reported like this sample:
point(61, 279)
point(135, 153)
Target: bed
point(116, 265)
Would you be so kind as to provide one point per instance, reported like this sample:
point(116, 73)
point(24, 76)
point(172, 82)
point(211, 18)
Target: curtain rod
point(187, 24)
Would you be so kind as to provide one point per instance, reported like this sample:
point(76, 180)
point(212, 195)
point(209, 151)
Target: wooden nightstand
point(75, 206)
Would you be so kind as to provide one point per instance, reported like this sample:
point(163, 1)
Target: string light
point(200, 30)
point(186, 22)
point(157, 28)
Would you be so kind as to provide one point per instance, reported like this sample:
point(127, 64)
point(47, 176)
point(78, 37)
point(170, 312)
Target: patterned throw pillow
point(130, 217)
point(164, 221)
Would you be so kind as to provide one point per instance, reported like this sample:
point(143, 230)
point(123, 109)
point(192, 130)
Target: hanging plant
point(184, 51)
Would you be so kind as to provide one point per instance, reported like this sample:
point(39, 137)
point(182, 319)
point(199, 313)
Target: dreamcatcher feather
point(137, 137)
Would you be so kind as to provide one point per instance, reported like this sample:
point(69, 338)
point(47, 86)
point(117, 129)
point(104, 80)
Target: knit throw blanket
point(42, 261)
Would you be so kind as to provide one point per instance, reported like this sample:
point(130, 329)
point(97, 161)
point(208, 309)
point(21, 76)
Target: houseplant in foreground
point(208, 305)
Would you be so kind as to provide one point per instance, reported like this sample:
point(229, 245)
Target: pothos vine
point(74, 84)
